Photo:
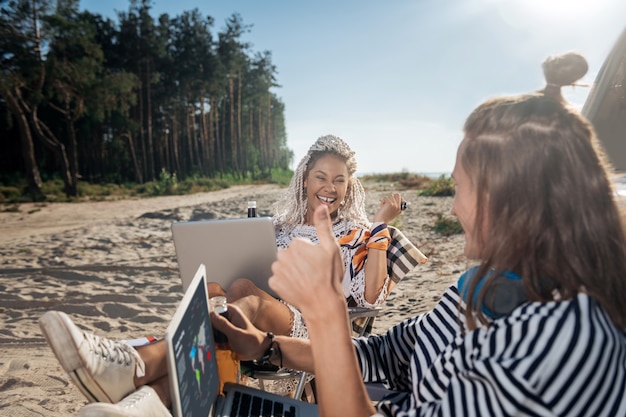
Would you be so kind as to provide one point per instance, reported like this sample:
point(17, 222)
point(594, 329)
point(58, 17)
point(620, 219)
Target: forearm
point(340, 388)
point(375, 270)
point(294, 354)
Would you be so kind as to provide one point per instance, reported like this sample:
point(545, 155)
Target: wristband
point(273, 349)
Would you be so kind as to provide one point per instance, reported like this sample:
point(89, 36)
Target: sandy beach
point(111, 265)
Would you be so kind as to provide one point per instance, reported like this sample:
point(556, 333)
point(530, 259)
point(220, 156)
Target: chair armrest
point(362, 319)
point(356, 312)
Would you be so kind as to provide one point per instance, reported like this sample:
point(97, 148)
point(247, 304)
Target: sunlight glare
point(562, 8)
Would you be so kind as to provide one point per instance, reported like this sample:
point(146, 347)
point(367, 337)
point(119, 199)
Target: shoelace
point(134, 398)
point(116, 351)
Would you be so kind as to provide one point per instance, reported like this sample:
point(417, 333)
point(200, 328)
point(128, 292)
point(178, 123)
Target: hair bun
point(564, 69)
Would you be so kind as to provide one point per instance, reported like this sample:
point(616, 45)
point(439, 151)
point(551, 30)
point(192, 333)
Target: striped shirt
point(562, 358)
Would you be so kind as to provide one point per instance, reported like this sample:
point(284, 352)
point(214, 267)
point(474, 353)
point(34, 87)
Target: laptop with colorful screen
point(193, 368)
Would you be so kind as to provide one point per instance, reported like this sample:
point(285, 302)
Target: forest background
point(88, 100)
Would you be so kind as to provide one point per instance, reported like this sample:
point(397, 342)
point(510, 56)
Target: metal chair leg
point(300, 387)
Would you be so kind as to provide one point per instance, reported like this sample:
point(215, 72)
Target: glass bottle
point(252, 208)
point(228, 366)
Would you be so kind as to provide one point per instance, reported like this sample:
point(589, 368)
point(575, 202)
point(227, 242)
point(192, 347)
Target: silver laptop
point(195, 383)
point(230, 249)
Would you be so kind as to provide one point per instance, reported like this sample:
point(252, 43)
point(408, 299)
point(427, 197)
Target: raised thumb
point(323, 226)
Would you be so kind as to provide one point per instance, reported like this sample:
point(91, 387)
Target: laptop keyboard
point(246, 405)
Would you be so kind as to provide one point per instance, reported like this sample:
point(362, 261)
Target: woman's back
point(542, 359)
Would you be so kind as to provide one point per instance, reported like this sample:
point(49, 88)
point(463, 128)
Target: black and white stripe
point(561, 358)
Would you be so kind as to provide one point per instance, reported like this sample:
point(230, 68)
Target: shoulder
point(551, 335)
point(348, 225)
point(581, 312)
point(549, 346)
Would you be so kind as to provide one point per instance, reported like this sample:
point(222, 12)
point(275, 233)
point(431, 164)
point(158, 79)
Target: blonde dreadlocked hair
point(291, 208)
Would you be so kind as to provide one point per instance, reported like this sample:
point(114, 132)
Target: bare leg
point(263, 310)
point(162, 388)
point(214, 289)
point(155, 358)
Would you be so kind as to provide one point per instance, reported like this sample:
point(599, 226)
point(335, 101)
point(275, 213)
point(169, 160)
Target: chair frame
point(361, 330)
point(402, 256)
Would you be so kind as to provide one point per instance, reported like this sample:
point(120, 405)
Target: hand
point(308, 276)
point(244, 339)
point(389, 208)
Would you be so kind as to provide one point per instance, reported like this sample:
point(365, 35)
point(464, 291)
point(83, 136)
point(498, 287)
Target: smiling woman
point(326, 184)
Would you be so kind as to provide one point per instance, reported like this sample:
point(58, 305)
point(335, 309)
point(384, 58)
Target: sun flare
point(562, 8)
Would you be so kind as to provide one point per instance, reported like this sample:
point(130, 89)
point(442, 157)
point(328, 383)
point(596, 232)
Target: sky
point(396, 79)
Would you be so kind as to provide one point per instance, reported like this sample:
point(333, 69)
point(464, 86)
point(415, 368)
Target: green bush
point(91, 190)
point(441, 187)
point(197, 184)
point(167, 184)
point(9, 194)
point(408, 180)
point(281, 176)
point(53, 187)
point(392, 177)
point(446, 226)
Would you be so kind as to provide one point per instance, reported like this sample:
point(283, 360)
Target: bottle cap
point(252, 203)
point(218, 304)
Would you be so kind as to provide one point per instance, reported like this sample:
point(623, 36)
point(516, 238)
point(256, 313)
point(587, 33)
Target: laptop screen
point(193, 353)
point(193, 366)
point(231, 248)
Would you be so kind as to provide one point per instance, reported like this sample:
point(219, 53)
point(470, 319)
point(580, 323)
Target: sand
point(111, 265)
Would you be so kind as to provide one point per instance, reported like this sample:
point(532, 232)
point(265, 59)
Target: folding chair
point(402, 257)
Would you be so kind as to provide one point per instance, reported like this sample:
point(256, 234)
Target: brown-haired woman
point(536, 328)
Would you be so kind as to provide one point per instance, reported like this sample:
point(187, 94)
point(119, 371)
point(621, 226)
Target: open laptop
point(195, 386)
point(230, 249)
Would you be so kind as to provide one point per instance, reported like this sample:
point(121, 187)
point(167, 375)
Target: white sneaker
point(103, 370)
point(142, 403)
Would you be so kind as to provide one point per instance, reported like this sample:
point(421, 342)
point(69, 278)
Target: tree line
point(84, 97)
